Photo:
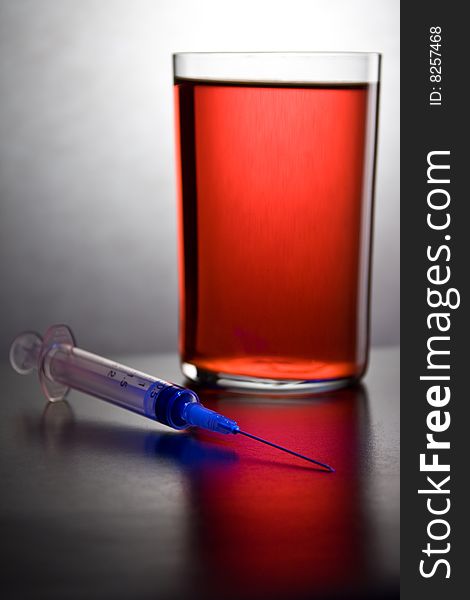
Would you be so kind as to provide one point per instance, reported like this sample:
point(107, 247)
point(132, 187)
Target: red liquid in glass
point(276, 191)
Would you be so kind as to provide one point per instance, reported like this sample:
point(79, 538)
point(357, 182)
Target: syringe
point(61, 366)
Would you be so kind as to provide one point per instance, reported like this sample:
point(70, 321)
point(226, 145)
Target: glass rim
point(278, 52)
point(303, 67)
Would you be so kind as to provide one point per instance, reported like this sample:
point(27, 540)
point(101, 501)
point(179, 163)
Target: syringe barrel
point(136, 391)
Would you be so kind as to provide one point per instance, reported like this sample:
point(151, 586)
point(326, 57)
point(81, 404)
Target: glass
point(276, 156)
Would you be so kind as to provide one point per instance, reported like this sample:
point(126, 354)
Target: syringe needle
point(255, 437)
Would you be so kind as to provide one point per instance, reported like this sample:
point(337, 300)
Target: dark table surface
point(99, 503)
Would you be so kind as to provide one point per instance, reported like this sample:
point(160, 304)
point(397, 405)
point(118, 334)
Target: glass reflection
point(274, 525)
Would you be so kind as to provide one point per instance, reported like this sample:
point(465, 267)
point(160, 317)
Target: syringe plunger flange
point(24, 352)
point(28, 352)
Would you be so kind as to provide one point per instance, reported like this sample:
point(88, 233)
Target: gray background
point(87, 186)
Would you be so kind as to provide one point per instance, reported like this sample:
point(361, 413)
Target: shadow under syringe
point(58, 432)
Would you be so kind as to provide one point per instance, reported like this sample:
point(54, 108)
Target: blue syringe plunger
point(61, 366)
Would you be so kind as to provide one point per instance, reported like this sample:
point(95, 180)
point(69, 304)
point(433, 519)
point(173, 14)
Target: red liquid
point(276, 192)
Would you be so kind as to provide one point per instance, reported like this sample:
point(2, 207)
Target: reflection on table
point(260, 523)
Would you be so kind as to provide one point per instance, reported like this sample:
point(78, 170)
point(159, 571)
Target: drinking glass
point(275, 164)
